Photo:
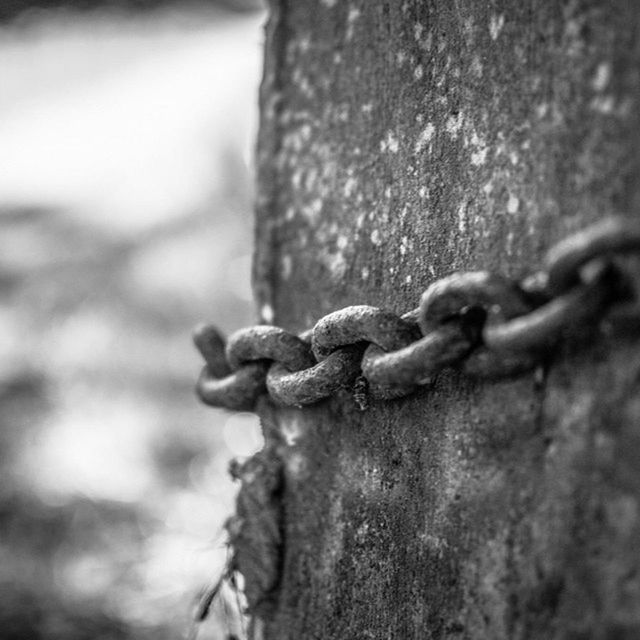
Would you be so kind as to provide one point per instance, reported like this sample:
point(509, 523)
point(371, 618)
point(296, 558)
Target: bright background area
point(125, 219)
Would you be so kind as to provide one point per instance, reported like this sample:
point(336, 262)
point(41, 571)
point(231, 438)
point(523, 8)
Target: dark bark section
point(401, 141)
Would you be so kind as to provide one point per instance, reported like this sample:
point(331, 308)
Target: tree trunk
point(399, 142)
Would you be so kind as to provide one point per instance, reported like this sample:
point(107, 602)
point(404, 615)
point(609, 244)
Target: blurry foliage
point(113, 483)
point(10, 9)
point(38, 540)
point(43, 541)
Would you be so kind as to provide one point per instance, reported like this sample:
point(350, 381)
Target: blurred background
point(126, 136)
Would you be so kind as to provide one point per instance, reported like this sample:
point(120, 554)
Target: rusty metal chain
point(483, 324)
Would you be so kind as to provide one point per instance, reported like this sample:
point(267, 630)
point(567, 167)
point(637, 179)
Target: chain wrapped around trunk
point(483, 324)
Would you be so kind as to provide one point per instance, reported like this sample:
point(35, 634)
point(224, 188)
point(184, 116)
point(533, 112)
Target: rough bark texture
point(401, 141)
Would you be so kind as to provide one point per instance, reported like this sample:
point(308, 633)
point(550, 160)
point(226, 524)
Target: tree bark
point(399, 142)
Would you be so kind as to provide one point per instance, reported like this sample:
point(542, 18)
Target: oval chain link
point(218, 385)
point(602, 240)
point(264, 342)
point(495, 297)
point(482, 324)
point(544, 326)
point(308, 386)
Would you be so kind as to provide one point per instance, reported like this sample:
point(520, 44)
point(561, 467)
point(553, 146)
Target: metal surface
point(362, 323)
point(264, 342)
point(239, 391)
point(299, 388)
point(485, 364)
point(396, 374)
point(604, 239)
point(217, 385)
point(485, 300)
point(483, 324)
point(459, 293)
point(211, 344)
point(544, 326)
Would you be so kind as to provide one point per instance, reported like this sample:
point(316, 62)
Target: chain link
point(542, 327)
point(398, 373)
point(482, 324)
point(602, 240)
point(264, 342)
point(337, 371)
point(362, 323)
